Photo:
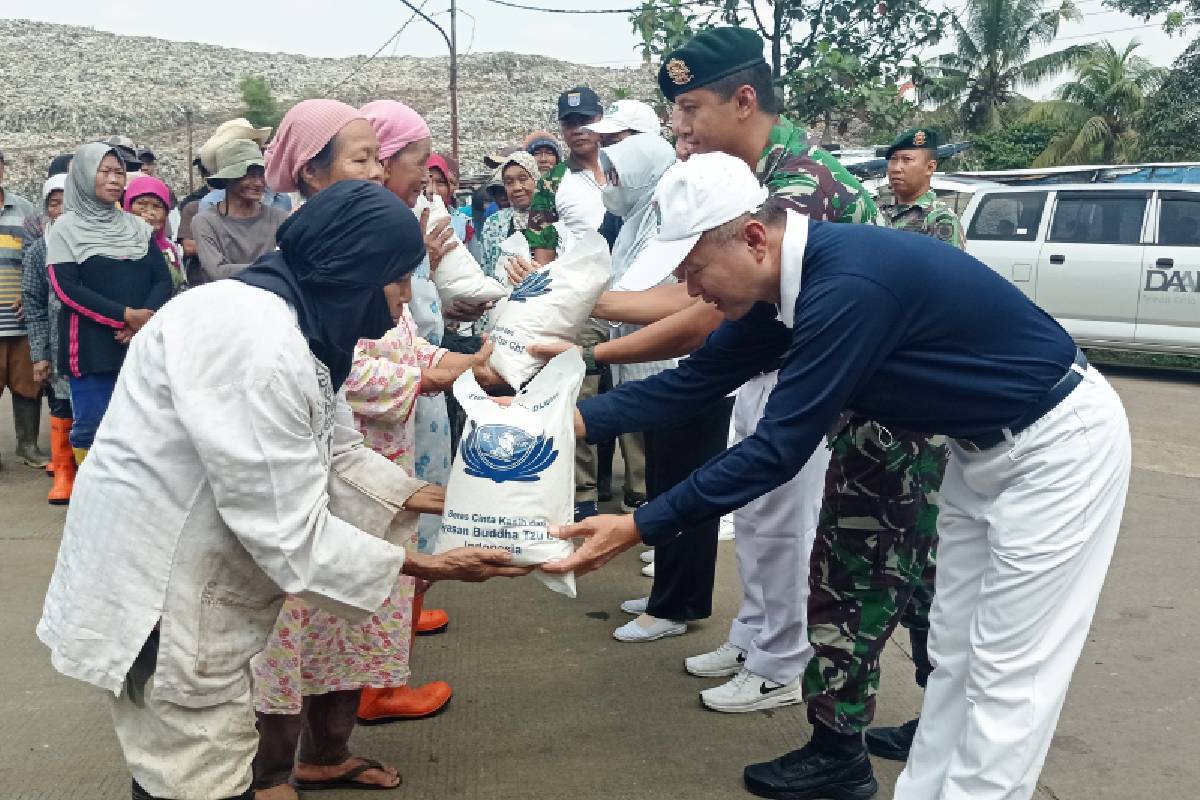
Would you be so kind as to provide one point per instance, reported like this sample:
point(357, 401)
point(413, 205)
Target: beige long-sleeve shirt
point(225, 473)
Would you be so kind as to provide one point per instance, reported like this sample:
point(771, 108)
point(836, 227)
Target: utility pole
point(454, 79)
point(451, 43)
point(187, 116)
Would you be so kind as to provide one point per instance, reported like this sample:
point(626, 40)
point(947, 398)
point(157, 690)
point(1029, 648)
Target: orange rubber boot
point(62, 458)
point(431, 621)
point(379, 706)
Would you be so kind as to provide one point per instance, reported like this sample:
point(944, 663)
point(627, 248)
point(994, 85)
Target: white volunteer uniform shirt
point(791, 265)
point(207, 495)
point(578, 202)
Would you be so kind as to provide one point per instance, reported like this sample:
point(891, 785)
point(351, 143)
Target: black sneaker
point(632, 500)
point(892, 743)
point(585, 510)
point(807, 774)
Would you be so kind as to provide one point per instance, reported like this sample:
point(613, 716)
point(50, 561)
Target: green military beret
point(916, 139)
point(710, 56)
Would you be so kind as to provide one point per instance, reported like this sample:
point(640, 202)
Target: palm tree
point(1097, 109)
point(991, 57)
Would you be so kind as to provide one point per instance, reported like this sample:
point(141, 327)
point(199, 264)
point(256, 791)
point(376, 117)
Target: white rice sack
point(514, 474)
point(552, 303)
point(459, 276)
point(518, 246)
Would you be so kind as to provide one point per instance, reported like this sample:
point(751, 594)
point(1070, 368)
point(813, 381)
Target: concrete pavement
point(548, 705)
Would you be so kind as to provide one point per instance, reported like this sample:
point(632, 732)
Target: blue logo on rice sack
point(535, 285)
point(505, 453)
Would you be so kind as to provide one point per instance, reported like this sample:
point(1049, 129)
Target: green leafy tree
point(258, 104)
point(991, 57)
point(1179, 13)
point(1169, 123)
point(883, 110)
point(823, 52)
point(1010, 146)
point(664, 25)
point(1097, 109)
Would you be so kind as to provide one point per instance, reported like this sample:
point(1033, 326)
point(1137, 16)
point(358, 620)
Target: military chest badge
point(919, 138)
point(678, 72)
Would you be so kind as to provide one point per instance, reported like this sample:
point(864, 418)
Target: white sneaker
point(725, 533)
point(728, 659)
point(647, 556)
point(750, 692)
point(636, 607)
point(647, 629)
point(648, 570)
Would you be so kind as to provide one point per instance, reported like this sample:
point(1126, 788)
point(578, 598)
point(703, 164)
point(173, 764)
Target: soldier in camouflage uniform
point(913, 206)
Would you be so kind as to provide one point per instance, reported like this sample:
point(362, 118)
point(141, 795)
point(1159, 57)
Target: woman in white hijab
point(633, 168)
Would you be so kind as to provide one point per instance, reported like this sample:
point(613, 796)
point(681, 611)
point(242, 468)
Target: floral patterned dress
point(311, 651)
point(432, 417)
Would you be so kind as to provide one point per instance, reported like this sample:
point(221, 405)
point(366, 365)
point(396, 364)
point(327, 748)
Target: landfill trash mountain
point(67, 84)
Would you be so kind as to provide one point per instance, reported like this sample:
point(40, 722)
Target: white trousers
point(184, 753)
point(1026, 533)
point(774, 541)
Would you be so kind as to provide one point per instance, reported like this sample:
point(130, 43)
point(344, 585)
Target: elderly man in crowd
point(16, 365)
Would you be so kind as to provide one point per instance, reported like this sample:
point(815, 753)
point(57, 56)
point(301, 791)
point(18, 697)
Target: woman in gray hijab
point(109, 279)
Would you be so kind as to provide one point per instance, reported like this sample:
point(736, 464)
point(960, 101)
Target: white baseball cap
point(693, 197)
point(627, 115)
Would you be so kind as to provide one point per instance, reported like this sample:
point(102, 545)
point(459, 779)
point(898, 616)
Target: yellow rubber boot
point(80, 455)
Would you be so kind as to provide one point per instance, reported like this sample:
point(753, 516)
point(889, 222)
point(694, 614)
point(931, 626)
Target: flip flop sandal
point(347, 779)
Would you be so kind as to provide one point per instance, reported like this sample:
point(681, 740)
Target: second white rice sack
point(458, 276)
point(552, 303)
point(514, 474)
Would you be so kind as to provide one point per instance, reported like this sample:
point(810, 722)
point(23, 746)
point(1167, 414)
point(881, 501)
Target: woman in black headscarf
point(332, 265)
point(227, 473)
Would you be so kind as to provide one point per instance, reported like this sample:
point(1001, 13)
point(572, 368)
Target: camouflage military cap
point(916, 139)
point(710, 56)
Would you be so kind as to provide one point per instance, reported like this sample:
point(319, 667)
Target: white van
point(1118, 265)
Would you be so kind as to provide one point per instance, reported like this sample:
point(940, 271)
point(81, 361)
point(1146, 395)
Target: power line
point(1104, 33)
point(509, 4)
point(359, 67)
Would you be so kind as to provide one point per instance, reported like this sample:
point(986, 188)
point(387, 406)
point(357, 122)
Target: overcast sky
point(323, 28)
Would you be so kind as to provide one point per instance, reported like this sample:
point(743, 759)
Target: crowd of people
point(253, 384)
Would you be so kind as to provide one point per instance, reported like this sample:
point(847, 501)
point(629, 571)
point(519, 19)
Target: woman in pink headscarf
point(149, 198)
point(309, 679)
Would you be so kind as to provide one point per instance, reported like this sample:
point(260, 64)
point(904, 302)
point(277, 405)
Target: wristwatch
point(589, 359)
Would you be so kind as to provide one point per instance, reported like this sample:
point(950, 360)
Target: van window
point(1008, 216)
point(957, 200)
point(1098, 217)
point(1179, 219)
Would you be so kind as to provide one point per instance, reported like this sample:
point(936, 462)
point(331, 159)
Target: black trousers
point(685, 567)
point(60, 407)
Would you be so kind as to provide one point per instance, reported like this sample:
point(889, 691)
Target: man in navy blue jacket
point(917, 335)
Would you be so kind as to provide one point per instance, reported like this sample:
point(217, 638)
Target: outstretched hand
point(485, 374)
point(519, 268)
point(439, 239)
point(606, 537)
point(470, 564)
point(548, 348)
